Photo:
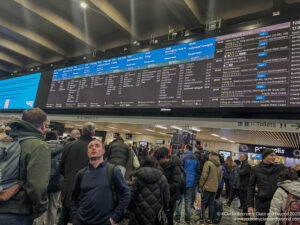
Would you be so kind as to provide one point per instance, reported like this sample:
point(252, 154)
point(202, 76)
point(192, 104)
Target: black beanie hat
point(266, 151)
point(238, 162)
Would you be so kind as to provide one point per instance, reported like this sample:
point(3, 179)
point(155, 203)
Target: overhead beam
point(111, 12)
point(20, 49)
point(182, 13)
point(27, 33)
point(11, 60)
point(5, 69)
point(58, 21)
point(193, 7)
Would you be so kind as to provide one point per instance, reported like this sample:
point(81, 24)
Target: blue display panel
point(189, 52)
point(19, 92)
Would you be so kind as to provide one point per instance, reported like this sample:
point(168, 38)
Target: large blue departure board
point(19, 92)
point(253, 68)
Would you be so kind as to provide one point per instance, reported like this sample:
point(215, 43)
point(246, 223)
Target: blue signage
point(280, 151)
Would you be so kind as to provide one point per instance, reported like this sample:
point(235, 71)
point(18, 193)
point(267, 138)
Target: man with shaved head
point(92, 196)
point(73, 159)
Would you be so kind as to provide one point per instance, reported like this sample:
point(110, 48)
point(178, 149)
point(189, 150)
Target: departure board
point(253, 68)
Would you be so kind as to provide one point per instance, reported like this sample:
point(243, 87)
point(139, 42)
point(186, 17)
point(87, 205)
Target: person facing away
point(171, 166)
point(73, 158)
point(288, 183)
point(118, 154)
point(54, 186)
point(149, 193)
point(192, 170)
point(228, 164)
point(210, 179)
point(233, 178)
point(92, 196)
point(244, 171)
point(263, 176)
point(34, 171)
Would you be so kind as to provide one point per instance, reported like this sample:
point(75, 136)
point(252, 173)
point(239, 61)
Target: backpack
point(10, 152)
point(217, 213)
point(110, 176)
point(56, 178)
point(291, 215)
point(182, 180)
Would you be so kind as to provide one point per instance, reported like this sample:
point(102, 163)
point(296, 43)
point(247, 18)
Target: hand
point(251, 212)
point(112, 222)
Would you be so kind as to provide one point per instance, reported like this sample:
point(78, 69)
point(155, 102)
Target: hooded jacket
point(173, 175)
point(149, 193)
point(211, 175)
point(278, 203)
point(34, 168)
point(191, 167)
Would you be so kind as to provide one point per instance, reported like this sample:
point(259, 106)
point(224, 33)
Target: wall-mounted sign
point(280, 151)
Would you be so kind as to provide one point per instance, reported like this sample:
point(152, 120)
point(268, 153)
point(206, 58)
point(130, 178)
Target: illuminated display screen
point(254, 68)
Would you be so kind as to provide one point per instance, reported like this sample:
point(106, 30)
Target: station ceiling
point(35, 33)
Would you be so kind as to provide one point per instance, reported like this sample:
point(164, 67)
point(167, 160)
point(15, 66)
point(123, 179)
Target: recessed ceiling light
point(223, 138)
point(83, 5)
point(162, 127)
point(137, 133)
point(114, 128)
point(215, 135)
point(162, 133)
point(195, 129)
point(231, 141)
point(176, 127)
point(126, 130)
point(150, 130)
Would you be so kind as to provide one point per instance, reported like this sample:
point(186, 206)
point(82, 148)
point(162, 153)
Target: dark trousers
point(243, 200)
point(262, 207)
point(219, 192)
point(170, 213)
point(65, 216)
point(15, 219)
point(228, 188)
point(208, 199)
point(233, 193)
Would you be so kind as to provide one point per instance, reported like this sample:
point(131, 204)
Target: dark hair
point(119, 138)
point(51, 135)
point(35, 116)
point(238, 162)
point(199, 147)
point(288, 174)
point(221, 159)
point(150, 161)
point(189, 147)
point(161, 153)
point(228, 163)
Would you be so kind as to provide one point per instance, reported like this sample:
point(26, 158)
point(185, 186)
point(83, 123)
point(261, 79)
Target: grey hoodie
point(278, 203)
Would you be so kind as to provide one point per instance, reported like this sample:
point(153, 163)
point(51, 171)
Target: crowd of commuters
point(101, 184)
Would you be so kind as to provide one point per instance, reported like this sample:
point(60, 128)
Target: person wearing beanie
point(263, 176)
point(233, 178)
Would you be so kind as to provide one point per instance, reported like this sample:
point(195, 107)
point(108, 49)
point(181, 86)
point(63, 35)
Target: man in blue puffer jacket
point(192, 170)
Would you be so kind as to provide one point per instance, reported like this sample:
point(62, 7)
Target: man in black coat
point(263, 176)
point(243, 181)
point(171, 166)
point(118, 154)
point(73, 158)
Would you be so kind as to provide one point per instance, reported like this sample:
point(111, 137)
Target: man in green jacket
point(35, 159)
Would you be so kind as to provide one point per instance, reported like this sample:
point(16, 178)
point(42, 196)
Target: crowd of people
point(101, 184)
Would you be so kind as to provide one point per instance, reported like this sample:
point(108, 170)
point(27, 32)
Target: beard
point(95, 158)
